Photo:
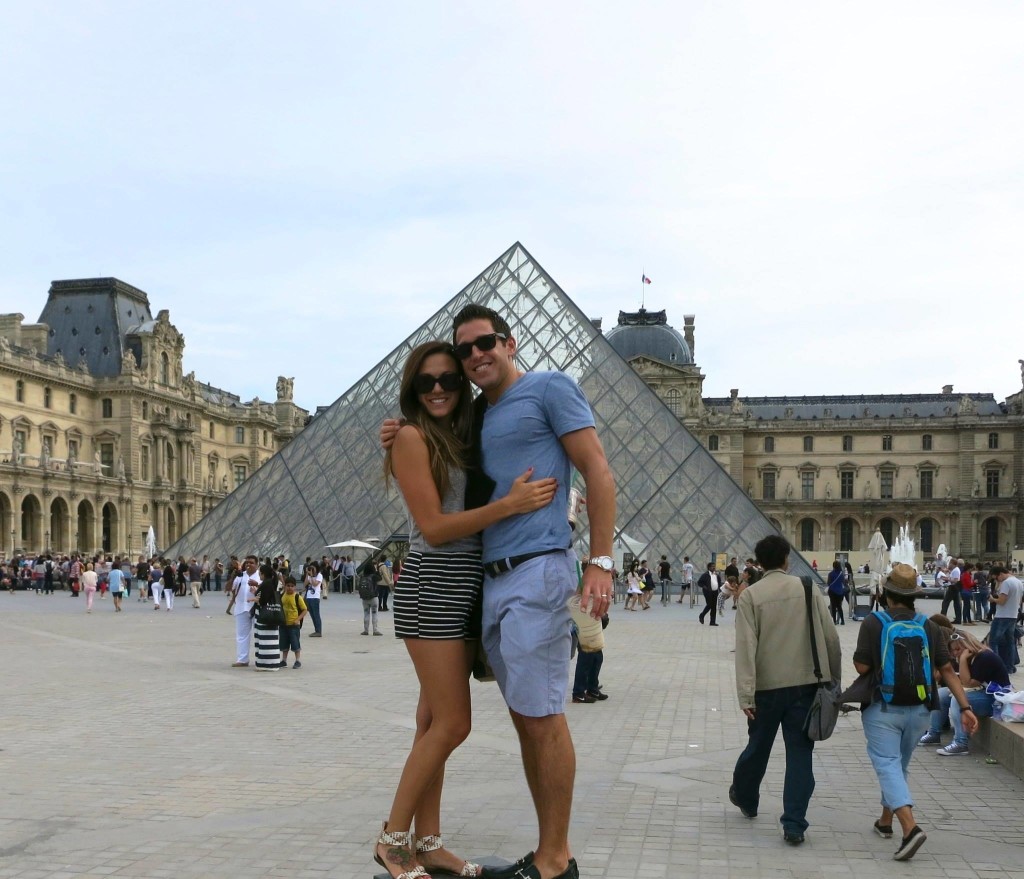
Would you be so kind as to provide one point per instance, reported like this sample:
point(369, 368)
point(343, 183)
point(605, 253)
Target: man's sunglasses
point(424, 382)
point(482, 343)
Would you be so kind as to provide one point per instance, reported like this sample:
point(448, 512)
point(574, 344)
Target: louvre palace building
point(101, 434)
point(829, 470)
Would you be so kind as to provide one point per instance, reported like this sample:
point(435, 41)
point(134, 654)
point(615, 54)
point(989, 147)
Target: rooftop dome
point(647, 333)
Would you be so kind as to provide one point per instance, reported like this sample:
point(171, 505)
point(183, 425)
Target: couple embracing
point(486, 486)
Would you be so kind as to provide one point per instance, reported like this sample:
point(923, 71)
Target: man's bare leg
point(549, 761)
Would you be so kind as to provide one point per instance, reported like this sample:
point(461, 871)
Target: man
point(710, 584)
point(951, 577)
point(543, 421)
point(893, 724)
point(205, 569)
point(686, 578)
point(775, 682)
point(732, 569)
point(348, 575)
point(243, 588)
point(195, 580)
point(665, 575)
point(1005, 599)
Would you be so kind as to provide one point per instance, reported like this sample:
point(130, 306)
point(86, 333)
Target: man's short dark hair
point(481, 312)
point(772, 551)
point(906, 601)
point(996, 570)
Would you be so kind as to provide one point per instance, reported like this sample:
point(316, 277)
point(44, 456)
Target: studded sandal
point(400, 841)
point(432, 843)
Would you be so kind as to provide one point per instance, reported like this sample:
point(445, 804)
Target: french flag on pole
point(645, 279)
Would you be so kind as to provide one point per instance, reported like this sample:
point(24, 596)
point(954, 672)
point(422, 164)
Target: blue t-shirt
point(522, 430)
point(114, 579)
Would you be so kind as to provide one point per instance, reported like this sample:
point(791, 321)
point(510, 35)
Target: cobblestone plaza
point(131, 748)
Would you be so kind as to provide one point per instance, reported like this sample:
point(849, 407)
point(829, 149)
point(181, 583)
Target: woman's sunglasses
point(424, 382)
point(481, 343)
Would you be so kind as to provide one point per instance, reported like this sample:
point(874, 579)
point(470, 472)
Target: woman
point(314, 582)
point(980, 666)
point(267, 636)
point(435, 600)
point(89, 581)
point(836, 593)
point(633, 588)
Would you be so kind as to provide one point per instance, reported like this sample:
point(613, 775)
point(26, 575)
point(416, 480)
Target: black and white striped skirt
point(266, 640)
point(438, 596)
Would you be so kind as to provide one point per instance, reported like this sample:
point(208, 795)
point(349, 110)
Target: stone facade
point(103, 436)
point(829, 470)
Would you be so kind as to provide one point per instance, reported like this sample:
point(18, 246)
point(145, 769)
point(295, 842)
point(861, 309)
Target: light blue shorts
point(527, 632)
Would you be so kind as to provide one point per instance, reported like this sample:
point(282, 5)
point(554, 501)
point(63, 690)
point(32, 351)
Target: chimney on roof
point(947, 389)
point(734, 393)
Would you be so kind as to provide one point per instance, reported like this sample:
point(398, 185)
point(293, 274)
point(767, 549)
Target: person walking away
point(966, 590)
point(89, 580)
point(898, 651)
point(171, 584)
point(115, 580)
point(952, 594)
point(665, 575)
point(1006, 602)
point(775, 683)
point(314, 584)
point(710, 583)
point(48, 568)
point(686, 577)
point(294, 613)
point(836, 593)
point(195, 580)
point(367, 589)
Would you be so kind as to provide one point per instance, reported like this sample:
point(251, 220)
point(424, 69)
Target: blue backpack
point(906, 660)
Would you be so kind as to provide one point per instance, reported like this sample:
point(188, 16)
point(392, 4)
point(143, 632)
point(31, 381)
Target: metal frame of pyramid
point(327, 483)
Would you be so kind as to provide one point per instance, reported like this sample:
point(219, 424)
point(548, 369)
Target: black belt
point(503, 566)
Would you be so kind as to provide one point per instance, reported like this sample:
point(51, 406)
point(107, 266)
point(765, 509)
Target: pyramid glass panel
point(326, 485)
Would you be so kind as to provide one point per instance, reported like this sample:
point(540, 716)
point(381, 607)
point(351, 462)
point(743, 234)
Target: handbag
point(824, 710)
point(271, 615)
point(482, 670)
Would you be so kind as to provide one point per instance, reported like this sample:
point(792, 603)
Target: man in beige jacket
point(775, 682)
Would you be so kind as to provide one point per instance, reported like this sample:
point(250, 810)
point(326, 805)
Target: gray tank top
point(453, 502)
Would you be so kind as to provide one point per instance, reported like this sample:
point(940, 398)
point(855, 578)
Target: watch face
point(603, 562)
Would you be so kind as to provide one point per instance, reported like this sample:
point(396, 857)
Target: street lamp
point(46, 543)
point(76, 542)
point(13, 532)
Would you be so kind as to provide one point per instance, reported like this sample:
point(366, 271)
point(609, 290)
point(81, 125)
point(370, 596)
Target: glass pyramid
point(326, 484)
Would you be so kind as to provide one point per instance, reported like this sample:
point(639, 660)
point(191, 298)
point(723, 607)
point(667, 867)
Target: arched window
point(769, 444)
point(926, 443)
point(165, 369)
point(713, 442)
point(674, 401)
point(926, 535)
point(846, 527)
point(808, 443)
point(991, 530)
point(889, 528)
point(808, 530)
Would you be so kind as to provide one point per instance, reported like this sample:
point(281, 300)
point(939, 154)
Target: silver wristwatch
point(604, 562)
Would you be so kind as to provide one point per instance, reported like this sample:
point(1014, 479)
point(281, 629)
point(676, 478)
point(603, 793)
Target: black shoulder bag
point(824, 710)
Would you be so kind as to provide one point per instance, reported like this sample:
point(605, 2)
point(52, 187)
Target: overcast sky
point(834, 189)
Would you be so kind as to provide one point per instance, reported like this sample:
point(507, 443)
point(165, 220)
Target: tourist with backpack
point(898, 651)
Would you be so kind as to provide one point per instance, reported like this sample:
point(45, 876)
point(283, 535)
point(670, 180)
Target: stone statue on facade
point(224, 483)
point(828, 491)
point(976, 491)
point(789, 490)
point(949, 490)
point(966, 406)
point(750, 489)
point(128, 363)
point(120, 468)
point(867, 490)
point(285, 387)
point(909, 491)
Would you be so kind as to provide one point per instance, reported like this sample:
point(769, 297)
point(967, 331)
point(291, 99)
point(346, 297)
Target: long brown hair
point(446, 448)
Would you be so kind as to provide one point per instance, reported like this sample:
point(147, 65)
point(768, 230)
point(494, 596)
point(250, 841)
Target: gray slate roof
point(859, 407)
point(89, 318)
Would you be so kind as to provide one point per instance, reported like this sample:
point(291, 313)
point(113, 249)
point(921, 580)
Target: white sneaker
point(953, 750)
